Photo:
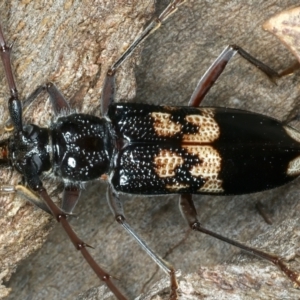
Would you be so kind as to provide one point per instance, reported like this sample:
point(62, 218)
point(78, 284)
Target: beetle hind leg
point(218, 66)
point(189, 213)
point(271, 73)
point(116, 207)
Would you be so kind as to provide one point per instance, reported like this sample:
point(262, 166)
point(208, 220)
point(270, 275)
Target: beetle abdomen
point(201, 150)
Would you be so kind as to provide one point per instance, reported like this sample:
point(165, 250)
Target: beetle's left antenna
point(14, 104)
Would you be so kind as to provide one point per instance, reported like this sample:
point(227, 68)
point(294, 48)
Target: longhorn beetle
point(150, 150)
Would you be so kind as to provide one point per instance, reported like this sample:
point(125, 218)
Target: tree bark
point(74, 50)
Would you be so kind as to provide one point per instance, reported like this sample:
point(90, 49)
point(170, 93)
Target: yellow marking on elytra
point(293, 133)
point(212, 186)
point(166, 162)
point(177, 187)
point(210, 160)
point(163, 125)
point(208, 169)
point(294, 167)
point(208, 131)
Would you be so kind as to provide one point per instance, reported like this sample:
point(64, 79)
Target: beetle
point(158, 118)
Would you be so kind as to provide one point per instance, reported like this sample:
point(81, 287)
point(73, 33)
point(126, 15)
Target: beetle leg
point(116, 207)
point(108, 91)
point(271, 73)
point(57, 99)
point(216, 69)
point(189, 213)
point(155, 24)
point(210, 76)
point(70, 198)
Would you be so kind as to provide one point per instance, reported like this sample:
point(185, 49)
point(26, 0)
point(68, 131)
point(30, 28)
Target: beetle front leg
point(116, 207)
point(108, 91)
point(154, 25)
point(57, 99)
point(189, 213)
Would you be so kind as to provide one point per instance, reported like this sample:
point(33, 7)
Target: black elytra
point(254, 152)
